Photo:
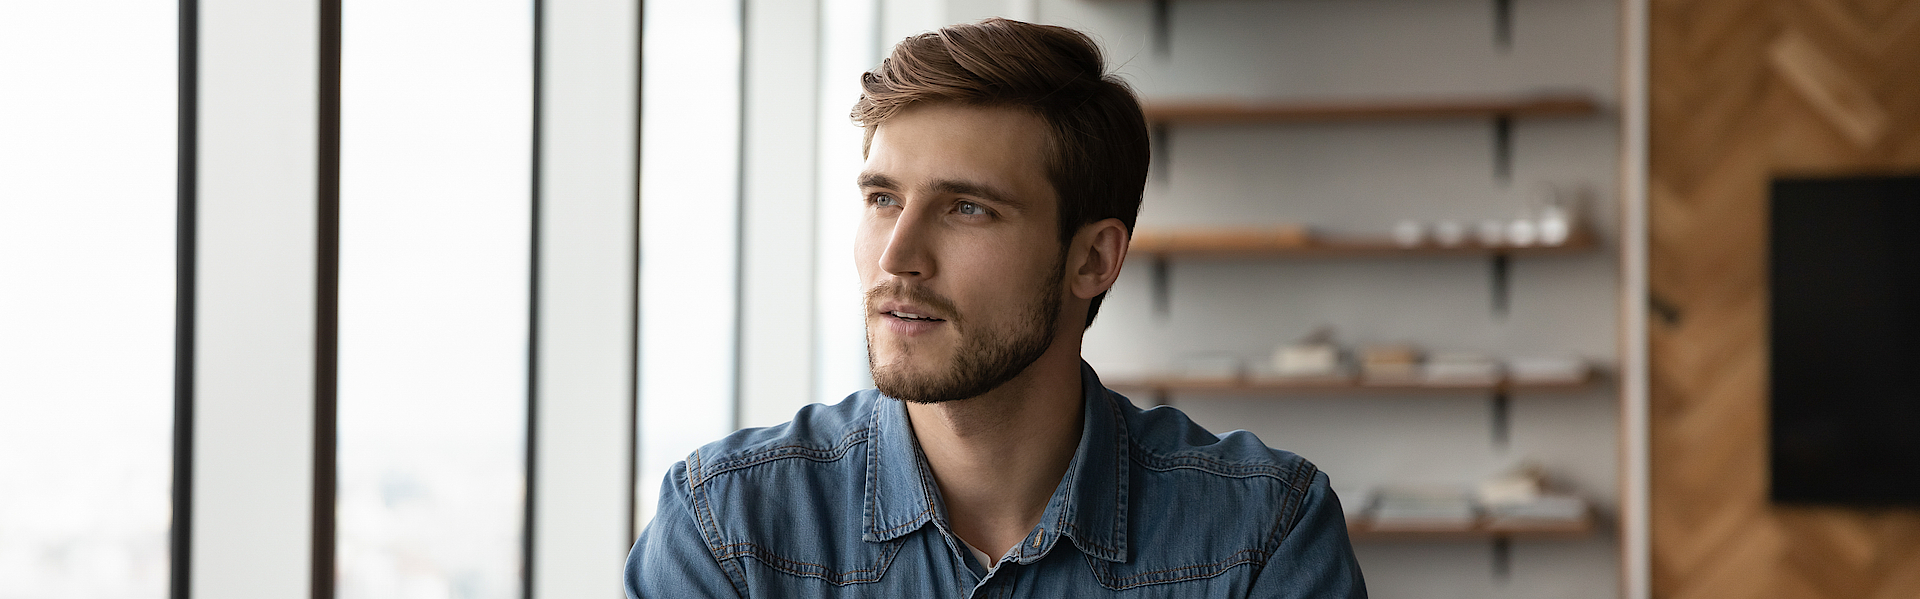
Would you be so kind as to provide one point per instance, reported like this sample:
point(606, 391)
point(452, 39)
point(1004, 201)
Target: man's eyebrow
point(979, 190)
point(949, 187)
point(878, 180)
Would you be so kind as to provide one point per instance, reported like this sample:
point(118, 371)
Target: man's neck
point(998, 457)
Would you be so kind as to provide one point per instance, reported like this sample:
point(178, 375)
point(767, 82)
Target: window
point(87, 231)
point(435, 218)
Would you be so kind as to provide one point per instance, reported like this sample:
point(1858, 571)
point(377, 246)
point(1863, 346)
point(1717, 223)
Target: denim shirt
point(840, 503)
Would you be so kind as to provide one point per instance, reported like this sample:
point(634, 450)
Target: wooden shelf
point(1230, 111)
point(1363, 530)
point(1292, 242)
point(1343, 385)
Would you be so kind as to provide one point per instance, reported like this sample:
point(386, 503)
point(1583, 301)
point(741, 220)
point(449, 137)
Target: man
point(1003, 175)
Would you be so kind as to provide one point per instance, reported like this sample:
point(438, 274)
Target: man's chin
point(911, 382)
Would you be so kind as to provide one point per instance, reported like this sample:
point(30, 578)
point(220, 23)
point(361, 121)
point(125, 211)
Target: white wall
point(253, 401)
point(582, 489)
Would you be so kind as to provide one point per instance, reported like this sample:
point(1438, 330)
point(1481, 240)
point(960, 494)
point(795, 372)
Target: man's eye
point(970, 209)
point(881, 199)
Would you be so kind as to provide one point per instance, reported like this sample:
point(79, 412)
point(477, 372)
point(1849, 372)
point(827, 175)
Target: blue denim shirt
point(840, 503)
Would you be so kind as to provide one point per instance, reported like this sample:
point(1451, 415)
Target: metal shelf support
point(1500, 275)
point(1502, 428)
point(1163, 28)
point(1503, 24)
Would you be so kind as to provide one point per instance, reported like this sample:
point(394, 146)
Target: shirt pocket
point(1180, 577)
point(842, 565)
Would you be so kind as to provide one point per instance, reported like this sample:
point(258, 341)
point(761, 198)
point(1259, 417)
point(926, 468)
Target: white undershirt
point(985, 562)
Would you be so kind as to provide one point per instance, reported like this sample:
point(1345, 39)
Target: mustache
point(898, 290)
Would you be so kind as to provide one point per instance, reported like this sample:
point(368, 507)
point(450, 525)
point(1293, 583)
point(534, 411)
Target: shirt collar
point(1089, 506)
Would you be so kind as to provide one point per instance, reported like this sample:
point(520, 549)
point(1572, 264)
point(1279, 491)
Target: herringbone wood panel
point(1742, 91)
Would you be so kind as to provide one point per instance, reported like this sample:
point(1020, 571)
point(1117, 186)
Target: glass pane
point(689, 231)
point(435, 214)
point(87, 223)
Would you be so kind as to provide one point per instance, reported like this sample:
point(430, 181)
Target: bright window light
point(689, 231)
point(435, 210)
point(87, 231)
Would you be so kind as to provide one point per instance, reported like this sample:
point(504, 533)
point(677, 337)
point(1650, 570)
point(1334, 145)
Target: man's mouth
point(914, 317)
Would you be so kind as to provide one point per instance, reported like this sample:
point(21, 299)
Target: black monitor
point(1845, 365)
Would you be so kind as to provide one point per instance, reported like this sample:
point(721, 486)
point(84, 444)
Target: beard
point(984, 360)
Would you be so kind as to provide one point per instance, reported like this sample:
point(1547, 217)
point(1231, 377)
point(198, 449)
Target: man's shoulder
point(1233, 499)
point(817, 433)
point(1164, 439)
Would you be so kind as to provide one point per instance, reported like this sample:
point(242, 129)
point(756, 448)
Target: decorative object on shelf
point(1449, 233)
point(1517, 485)
point(1421, 508)
point(1490, 233)
point(1461, 368)
point(1315, 355)
point(1409, 233)
point(1515, 502)
point(1519, 499)
point(1548, 370)
point(1390, 364)
point(1377, 370)
point(1522, 232)
point(1209, 367)
point(1559, 214)
point(1449, 238)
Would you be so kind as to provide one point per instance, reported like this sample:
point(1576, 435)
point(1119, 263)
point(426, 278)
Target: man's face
point(958, 250)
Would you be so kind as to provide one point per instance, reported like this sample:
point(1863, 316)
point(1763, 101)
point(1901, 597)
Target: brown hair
point(1098, 146)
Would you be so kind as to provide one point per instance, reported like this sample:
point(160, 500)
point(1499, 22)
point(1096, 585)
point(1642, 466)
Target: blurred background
point(422, 298)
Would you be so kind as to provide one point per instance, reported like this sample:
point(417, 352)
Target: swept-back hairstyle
point(1097, 148)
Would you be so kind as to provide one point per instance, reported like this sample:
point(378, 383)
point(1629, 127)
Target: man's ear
point(1093, 263)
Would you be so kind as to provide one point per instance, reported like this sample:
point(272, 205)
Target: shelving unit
point(1483, 529)
point(1306, 111)
point(1285, 243)
point(1501, 535)
point(1334, 385)
point(1500, 111)
point(1347, 95)
point(1292, 241)
point(1499, 393)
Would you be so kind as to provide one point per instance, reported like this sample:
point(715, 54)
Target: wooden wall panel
point(1742, 91)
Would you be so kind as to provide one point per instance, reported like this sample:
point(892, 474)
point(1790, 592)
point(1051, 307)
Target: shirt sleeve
point(672, 559)
point(1316, 558)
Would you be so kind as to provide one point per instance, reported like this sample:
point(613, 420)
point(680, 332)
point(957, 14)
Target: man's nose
point(906, 254)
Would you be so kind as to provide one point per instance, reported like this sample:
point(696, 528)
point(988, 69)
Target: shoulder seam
point(709, 526)
point(1159, 462)
point(1289, 517)
point(785, 451)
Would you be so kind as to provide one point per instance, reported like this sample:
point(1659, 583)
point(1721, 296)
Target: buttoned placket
point(1103, 432)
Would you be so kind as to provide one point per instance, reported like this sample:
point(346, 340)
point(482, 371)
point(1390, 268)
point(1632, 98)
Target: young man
point(1003, 174)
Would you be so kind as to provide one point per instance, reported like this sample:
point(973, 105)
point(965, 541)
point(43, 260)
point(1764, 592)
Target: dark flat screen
point(1845, 266)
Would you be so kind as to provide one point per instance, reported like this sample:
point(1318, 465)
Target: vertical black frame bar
point(533, 311)
point(633, 340)
point(327, 306)
point(740, 218)
point(186, 187)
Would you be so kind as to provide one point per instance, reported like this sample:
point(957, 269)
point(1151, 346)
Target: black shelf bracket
point(1503, 24)
point(1502, 557)
point(1503, 148)
point(1502, 408)
point(1163, 28)
point(1499, 275)
point(1162, 274)
point(1160, 168)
